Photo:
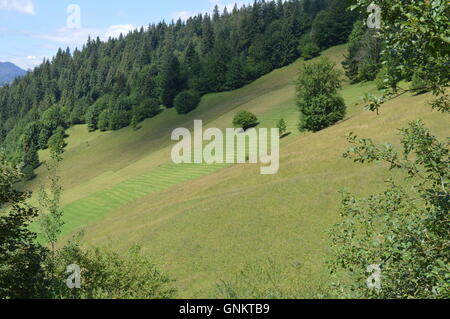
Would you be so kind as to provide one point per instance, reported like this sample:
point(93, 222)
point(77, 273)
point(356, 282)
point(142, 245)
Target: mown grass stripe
point(95, 206)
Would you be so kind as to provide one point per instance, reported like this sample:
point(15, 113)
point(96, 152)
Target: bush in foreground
point(30, 270)
point(403, 231)
point(106, 274)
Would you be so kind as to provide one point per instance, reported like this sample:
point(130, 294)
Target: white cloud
point(27, 62)
point(77, 37)
point(21, 6)
point(183, 15)
point(114, 31)
point(67, 37)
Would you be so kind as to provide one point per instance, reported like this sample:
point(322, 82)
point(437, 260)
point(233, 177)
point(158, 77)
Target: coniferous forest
point(96, 203)
point(113, 84)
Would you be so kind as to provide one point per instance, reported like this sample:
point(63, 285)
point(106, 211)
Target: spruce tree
point(235, 74)
point(207, 35)
point(30, 156)
point(171, 82)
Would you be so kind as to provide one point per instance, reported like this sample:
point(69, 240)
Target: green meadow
point(203, 223)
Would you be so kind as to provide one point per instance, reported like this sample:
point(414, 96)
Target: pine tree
point(207, 35)
point(44, 135)
point(171, 82)
point(333, 25)
point(235, 74)
point(30, 156)
point(194, 70)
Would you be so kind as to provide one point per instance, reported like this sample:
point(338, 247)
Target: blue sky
point(31, 30)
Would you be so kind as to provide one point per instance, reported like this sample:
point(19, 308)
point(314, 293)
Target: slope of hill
point(8, 72)
point(113, 84)
point(204, 223)
point(209, 228)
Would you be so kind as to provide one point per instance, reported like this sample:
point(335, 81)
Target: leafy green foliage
point(245, 120)
point(44, 136)
point(28, 173)
point(55, 117)
point(417, 37)
point(56, 142)
point(308, 48)
point(281, 125)
point(382, 80)
point(235, 76)
point(103, 120)
point(51, 222)
point(94, 111)
point(333, 25)
point(106, 274)
point(30, 270)
point(206, 53)
point(317, 98)
point(148, 108)
point(186, 101)
point(364, 54)
point(20, 256)
point(405, 230)
point(30, 156)
point(418, 84)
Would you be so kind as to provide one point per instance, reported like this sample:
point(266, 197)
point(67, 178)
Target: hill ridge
point(9, 71)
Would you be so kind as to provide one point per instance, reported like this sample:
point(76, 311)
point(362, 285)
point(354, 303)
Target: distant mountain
point(8, 72)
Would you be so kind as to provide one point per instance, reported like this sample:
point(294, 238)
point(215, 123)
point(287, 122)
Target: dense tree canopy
point(107, 85)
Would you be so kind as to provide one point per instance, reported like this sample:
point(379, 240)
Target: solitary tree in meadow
point(282, 126)
point(245, 120)
point(319, 104)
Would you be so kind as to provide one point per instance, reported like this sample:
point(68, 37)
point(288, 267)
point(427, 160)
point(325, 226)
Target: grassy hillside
point(101, 160)
point(203, 223)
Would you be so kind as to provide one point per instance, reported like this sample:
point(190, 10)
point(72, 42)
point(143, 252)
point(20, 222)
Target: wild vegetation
point(290, 240)
point(317, 96)
point(245, 120)
point(404, 231)
point(113, 84)
point(31, 270)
